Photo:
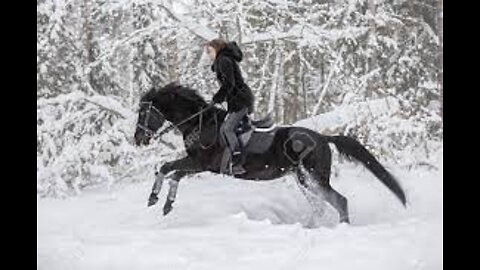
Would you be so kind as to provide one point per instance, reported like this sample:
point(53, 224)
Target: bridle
point(160, 116)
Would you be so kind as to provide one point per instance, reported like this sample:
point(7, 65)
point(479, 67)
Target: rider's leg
point(225, 163)
point(228, 130)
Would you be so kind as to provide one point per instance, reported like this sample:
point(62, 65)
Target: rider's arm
point(219, 97)
point(227, 79)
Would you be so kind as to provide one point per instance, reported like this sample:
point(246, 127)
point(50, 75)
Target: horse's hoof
point(345, 221)
point(167, 207)
point(153, 199)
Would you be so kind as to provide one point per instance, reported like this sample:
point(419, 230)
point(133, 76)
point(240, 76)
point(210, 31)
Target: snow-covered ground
point(222, 223)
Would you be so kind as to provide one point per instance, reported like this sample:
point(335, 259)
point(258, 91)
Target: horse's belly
point(263, 174)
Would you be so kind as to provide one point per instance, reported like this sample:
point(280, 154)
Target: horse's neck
point(212, 118)
point(184, 124)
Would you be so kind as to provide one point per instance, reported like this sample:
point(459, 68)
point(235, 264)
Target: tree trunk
point(239, 26)
point(273, 89)
point(281, 92)
point(323, 92)
point(88, 56)
point(372, 36)
point(440, 53)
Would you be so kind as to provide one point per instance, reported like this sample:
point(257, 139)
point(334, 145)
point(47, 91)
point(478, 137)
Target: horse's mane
point(178, 90)
point(150, 95)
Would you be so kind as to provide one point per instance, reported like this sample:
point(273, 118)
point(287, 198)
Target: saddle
point(256, 136)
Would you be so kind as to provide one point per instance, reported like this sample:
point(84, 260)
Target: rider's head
point(214, 46)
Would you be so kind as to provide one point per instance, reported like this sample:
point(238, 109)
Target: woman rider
point(233, 90)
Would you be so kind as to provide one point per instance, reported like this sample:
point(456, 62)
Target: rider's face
point(211, 52)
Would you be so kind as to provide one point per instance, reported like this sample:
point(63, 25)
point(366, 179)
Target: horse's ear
point(148, 94)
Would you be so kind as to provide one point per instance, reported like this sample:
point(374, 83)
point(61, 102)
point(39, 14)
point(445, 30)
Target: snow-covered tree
point(95, 58)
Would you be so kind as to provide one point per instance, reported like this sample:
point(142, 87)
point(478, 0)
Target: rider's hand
point(212, 104)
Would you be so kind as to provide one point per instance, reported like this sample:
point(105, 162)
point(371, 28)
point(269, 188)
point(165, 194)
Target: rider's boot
point(227, 162)
point(238, 165)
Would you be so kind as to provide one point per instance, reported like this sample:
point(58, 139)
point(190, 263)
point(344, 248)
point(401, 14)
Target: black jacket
point(233, 89)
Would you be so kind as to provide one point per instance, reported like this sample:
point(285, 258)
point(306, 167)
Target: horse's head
point(172, 103)
point(150, 117)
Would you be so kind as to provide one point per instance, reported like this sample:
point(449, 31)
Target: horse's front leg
point(181, 167)
point(172, 192)
point(157, 186)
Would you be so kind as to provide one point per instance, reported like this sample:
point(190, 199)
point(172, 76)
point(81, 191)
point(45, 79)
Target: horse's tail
point(353, 149)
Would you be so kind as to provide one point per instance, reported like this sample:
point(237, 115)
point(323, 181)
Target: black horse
point(271, 152)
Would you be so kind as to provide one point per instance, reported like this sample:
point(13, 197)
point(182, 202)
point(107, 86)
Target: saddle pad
point(260, 142)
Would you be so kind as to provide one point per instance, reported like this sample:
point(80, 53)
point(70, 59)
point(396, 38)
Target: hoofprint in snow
point(222, 223)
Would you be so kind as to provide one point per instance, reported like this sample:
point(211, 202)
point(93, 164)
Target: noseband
point(156, 114)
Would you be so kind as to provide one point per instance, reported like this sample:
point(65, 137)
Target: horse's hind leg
point(321, 174)
point(339, 202)
point(336, 200)
point(312, 197)
point(318, 166)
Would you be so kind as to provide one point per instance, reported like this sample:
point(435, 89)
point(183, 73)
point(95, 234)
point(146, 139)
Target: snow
point(109, 102)
point(222, 223)
point(346, 114)
point(149, 50)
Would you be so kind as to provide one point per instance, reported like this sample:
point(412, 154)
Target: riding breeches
point(228, 128)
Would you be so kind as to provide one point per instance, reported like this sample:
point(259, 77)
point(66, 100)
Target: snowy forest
point(368, 69)
point(377, 61)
